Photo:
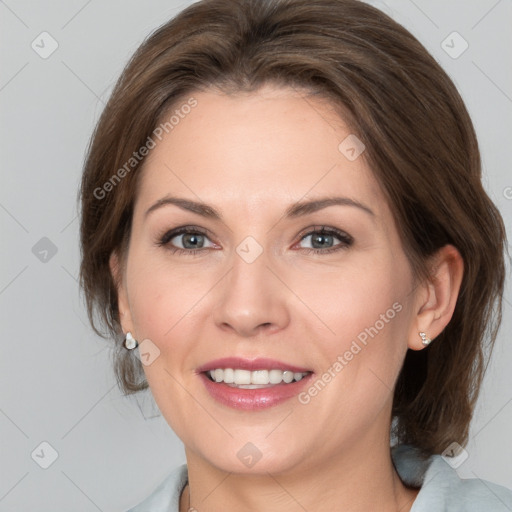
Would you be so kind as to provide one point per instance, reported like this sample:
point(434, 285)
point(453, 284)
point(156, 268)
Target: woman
point(284, 229)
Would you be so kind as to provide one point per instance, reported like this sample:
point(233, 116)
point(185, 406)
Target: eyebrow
point(298, 209)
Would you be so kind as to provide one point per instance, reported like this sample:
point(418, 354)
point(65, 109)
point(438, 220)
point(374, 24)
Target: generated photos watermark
point(345, 358)
point(137, 156)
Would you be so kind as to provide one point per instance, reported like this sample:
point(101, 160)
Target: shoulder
point(442, 487)
point(443, 490)
point(165, 497)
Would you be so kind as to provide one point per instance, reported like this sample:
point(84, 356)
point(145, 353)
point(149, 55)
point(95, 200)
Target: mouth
point(253, 384)
point(257, 379)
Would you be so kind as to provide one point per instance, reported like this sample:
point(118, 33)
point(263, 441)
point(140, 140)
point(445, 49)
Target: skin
point(250, 156)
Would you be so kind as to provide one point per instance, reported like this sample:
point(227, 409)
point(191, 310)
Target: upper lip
point(250, 364)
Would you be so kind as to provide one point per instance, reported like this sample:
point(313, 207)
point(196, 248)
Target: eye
point(185, 240)
point(322, 240)
point(192, 240)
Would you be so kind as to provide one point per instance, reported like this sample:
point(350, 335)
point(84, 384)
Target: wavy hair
point(420, 145)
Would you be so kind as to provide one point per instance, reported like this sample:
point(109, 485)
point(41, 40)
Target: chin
point(248, 459)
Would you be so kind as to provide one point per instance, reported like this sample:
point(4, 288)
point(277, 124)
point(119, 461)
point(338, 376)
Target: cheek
point(163, 305)
point(162, 296)
point(362, 312)
point(353, 299)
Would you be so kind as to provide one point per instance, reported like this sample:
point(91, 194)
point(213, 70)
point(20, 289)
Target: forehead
point(273, 146)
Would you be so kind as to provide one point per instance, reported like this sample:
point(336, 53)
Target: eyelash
point(345, 239)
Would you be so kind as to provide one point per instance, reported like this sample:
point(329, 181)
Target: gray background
point(56, 380)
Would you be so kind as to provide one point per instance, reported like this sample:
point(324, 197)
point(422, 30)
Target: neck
point(359, 479)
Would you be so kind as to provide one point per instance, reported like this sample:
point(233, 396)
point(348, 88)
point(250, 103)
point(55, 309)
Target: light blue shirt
point(442, 490)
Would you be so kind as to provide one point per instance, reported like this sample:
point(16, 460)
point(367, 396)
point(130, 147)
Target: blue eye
point(322, 240)
point(192, 240)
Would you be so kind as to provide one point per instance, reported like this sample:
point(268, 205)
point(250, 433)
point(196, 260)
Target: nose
point(252, 300)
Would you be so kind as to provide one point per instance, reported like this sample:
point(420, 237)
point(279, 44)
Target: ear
point(437, 296)
point(122, 297)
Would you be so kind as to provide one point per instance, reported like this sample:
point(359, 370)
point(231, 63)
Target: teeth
point(254, 379)
point(258, 377)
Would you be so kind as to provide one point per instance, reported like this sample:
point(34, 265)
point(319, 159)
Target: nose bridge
point(251, 295)
point(250, 267)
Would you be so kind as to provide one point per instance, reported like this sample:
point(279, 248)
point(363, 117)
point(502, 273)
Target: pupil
point(320, 239)
point(193, 239)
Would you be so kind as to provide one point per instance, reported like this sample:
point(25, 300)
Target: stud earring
point(130, 342)
point(424, 338)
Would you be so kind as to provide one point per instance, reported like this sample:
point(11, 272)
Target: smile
point(257, 379)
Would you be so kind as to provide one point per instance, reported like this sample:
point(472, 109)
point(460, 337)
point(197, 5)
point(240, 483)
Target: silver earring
point(424, 338)
point(130, 342)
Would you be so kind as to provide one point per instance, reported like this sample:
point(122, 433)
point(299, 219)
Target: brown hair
point(420, 144)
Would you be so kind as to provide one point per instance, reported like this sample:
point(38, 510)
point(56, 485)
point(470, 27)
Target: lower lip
point(253, 399)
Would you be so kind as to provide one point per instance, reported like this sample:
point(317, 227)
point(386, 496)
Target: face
point(323, 291)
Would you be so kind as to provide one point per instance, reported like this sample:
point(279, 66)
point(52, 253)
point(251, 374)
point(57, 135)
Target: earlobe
point(122, 299)
point(437, 297)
